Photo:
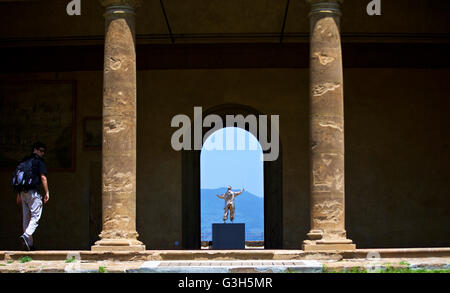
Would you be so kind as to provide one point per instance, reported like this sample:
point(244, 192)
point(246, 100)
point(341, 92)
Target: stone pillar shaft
point(119, 131)
point(327, 189)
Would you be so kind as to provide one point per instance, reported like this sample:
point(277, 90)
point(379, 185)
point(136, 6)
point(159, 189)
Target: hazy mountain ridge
point(249, 210)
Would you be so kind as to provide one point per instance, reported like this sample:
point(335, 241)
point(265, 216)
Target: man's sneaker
point(24, 241)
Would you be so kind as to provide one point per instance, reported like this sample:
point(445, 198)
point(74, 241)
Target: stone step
point(247, 254)
point(236, 266)
point(158, 255)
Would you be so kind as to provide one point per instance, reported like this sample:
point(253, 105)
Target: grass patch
point(356, 270)
point(102, 269)
point(391, 270)
point(69, 260)
point(325, 269)
point(25, 259)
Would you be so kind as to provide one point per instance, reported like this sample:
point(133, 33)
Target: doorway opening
point(232, 157)
point(191, 187)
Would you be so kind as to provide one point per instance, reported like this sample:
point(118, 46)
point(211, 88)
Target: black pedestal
point(228, 236)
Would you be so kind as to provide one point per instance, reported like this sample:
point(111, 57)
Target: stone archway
point(273, 208)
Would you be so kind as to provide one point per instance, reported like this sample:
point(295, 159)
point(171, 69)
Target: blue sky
point(226, 160)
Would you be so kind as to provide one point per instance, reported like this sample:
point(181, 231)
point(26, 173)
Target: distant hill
point(249, 210)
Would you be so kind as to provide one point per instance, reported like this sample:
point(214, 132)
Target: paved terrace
point(222, 261)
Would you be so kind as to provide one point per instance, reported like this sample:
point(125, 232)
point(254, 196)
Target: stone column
point(119, 130)
point(326, 131)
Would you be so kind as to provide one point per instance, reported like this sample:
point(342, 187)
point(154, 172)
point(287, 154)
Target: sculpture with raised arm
point(229, 197)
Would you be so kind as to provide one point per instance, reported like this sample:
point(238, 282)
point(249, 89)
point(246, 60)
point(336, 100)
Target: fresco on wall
point(37, 110)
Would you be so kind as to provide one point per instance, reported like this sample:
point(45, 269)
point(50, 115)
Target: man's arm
point(222, 196)
point(237, 193)
point(45, 184)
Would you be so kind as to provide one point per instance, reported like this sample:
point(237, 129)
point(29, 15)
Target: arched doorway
point(232, 156)
point(273, 206)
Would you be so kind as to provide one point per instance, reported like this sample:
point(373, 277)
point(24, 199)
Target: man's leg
point(232, 213)
point(26, 217)
point(35, 205)
point(225, 215)
point(26, 214)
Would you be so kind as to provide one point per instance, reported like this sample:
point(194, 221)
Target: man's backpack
point(23, 176)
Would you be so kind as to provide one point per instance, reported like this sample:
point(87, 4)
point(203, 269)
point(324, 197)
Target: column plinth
point(119, 130)
point(327, 190)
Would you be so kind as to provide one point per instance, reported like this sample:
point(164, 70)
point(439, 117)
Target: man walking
point(229, 197)
point(31, 199)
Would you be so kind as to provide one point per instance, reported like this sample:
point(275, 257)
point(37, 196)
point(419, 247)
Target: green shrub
point(25, 259)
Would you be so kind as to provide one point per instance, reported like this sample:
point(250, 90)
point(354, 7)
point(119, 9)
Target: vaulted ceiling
point(212, 21)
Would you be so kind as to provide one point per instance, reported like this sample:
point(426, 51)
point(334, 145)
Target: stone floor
point(242, 261)
point(217, 266)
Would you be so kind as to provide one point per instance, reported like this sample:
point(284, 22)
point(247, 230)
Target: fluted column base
point(118, 245)
point(315, 246)
point(329, 240)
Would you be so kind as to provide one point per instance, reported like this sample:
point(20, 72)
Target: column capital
point(129, 3)
point(325, 7)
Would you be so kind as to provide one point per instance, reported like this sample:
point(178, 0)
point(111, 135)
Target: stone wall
point(397, 155)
